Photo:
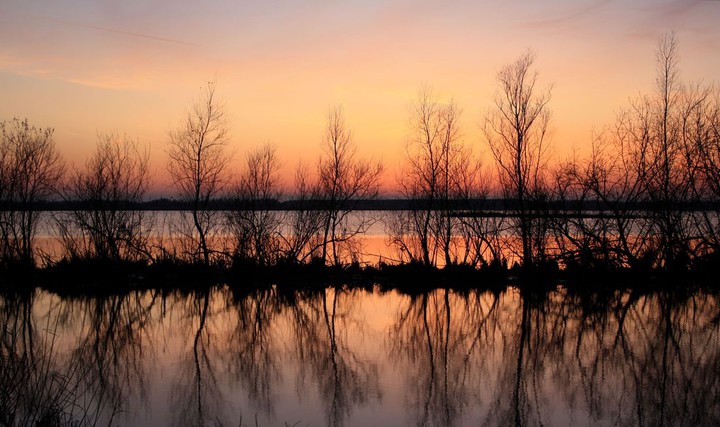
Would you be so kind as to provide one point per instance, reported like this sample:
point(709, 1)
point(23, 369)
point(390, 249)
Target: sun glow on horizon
point(135, 69)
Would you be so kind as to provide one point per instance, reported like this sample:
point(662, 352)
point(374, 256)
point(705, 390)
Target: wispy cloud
point(674, 9)
point(120, 32)
point(568, 17)
point(676, 14)
point(24, 68)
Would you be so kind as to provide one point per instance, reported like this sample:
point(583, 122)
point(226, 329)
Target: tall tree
point(344, 179)
point(197, 164)
point(516, 130)
point(439, 175)
point(652, 131)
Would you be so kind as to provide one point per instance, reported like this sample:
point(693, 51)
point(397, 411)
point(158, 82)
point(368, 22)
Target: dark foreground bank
point(98, 277)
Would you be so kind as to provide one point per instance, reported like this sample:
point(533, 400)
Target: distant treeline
point(453, 207)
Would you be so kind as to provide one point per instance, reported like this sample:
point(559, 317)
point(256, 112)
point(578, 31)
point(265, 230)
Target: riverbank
point(102, 277)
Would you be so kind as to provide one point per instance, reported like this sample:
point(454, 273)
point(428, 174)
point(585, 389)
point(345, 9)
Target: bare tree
point(197, 165)
point(652, 131)
point(254, 226)
point(440, 176)
point(516, 130)
point(650, 179)
point(30, 170)
point(599, 221)
point(107, 223)
point(302, 237)
point(344, 179)
point(701, 138)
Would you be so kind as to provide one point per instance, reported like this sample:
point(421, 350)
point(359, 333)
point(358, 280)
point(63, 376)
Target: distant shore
point(473, 207)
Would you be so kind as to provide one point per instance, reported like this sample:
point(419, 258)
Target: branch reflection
point(320, 333)
point(196, 393)
point(567, 355)
point(439, 340)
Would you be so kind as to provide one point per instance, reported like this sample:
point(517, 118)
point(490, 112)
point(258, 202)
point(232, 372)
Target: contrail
point(125, 33)
point(570, 16)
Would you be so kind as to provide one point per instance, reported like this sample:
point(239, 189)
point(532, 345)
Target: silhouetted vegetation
point(30, 170)
point(440, 176)
point(343, 179)
point(645, 200)
point(516, 131)
point(103, 228)
point(256, 229)
point(198, 161)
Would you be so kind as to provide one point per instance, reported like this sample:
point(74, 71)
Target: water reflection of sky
point(351, 357)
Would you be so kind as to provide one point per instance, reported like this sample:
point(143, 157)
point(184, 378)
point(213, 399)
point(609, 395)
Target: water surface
point(351, 357)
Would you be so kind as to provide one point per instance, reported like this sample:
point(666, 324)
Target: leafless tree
point(701, 138)
point(255, 227)
point(465, 239)
point(30, 170)
point(302, 237)
point(106, 222)
point(440, 176)
point(197, 164)
point(610, 228)
point(651, 129)
point(650, 175)
point(344, 178)
point(516, 129)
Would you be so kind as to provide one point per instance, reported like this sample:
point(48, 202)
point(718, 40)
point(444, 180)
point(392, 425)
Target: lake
point(352, 357)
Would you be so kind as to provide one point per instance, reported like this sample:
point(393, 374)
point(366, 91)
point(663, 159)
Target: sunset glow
point(135, 67)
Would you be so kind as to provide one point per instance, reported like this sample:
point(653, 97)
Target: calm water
point(163, 226)
point(353, 357)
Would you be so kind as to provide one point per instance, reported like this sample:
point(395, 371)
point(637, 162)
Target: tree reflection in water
point(621, 358)
point(336, 356)
point(319, 324)
point(49, 379)
point(252, 353)
point(437, 338)
point(113, 347)
point(196, 394)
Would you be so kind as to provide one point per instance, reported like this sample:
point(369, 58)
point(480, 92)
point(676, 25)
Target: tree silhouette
point(516, 130)
point(255, 227)
point(107, 224)
point(302, 238)
point(439, 175)
point(197, 163)
point(343, 179)
point(30, 170)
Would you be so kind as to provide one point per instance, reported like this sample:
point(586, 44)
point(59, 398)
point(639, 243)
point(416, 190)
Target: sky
point(135, 67)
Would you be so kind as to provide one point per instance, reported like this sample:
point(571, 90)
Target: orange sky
point(134, 67)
